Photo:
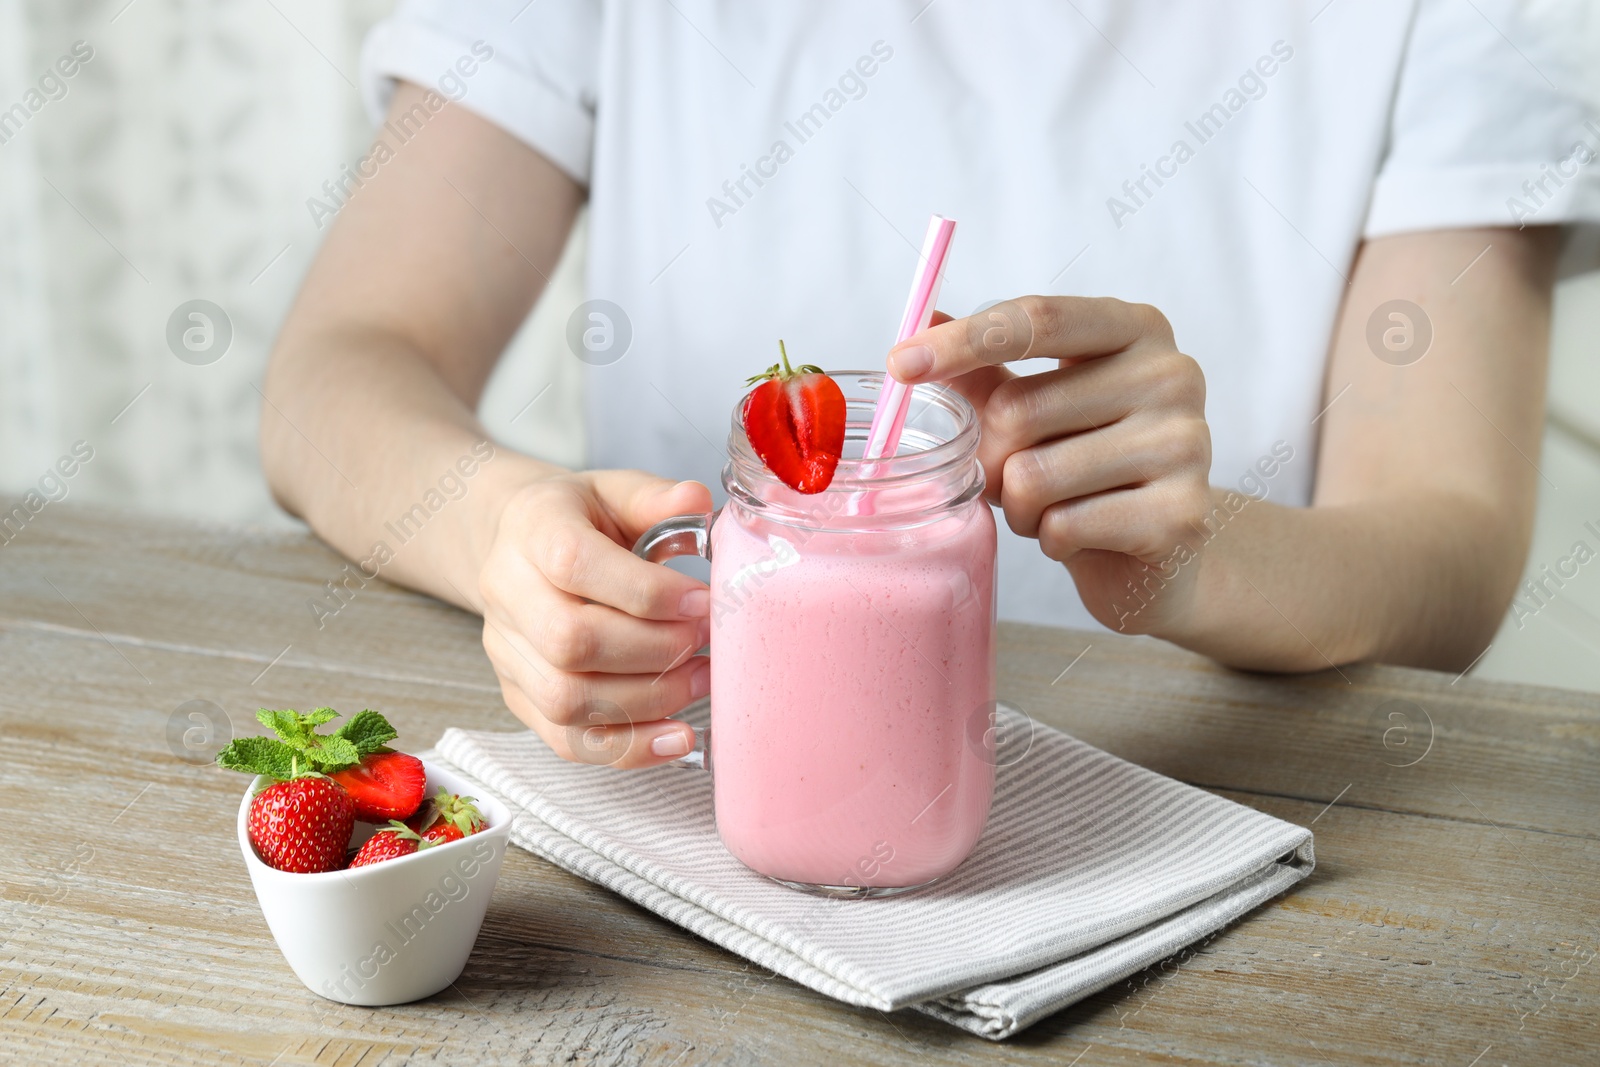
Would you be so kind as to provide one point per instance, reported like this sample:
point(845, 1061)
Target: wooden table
point(1452, 918)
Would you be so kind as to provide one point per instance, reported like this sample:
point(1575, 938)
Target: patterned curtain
point(173, 165)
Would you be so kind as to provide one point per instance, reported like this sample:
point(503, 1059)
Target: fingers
point(1022, 411)
point(567, 697)
point(575, 635)
point(578, 559)
point(1149, 522)
point(635, 501)
point(1136, 452)
point(595, 647)
point(1030, 327)
point(596, 717)
point(598, 742)
point(1139, 451)
point(569, 531)
point(980, 385)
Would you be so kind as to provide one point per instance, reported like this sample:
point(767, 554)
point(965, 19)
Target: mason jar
point(852, 653)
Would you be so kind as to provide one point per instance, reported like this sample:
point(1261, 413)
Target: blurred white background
point(177, 165)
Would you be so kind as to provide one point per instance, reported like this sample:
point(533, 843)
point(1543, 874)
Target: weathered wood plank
point(163, 959)
point(1397, 739)
point(142, 581)
point(243, 594)
point(1454, 907)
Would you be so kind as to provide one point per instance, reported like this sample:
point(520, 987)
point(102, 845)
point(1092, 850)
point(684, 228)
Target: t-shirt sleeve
point(1494, 121)
point(531, 68)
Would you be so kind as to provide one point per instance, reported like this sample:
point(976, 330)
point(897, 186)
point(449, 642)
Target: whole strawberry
point(302, 825)
point(390, 844)
point(795, 421)
point(447, 817)
point(301, 821)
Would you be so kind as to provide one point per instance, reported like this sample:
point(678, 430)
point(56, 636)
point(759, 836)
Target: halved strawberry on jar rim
point(795, 421)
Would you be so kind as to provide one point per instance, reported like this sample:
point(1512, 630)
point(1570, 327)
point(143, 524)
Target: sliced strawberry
point(390, 844)
point(795, 420)
point(384, 785)
point(447, 817)
point(302, 825)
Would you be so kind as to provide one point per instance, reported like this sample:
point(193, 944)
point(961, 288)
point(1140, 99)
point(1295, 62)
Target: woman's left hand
point(1104, 460)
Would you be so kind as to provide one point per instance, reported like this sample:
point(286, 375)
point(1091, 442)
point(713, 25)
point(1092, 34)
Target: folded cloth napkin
point(1090, 869)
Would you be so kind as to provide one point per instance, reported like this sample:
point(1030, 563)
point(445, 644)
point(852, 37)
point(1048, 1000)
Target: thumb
point(636, 501)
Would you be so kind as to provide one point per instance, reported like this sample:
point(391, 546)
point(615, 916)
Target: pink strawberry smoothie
point(851, 683)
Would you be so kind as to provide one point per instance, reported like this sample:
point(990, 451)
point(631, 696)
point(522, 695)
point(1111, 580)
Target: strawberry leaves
point(447, 809)
point(299, 750)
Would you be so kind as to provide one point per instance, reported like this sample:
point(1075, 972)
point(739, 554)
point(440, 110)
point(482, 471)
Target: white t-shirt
point(758, 171)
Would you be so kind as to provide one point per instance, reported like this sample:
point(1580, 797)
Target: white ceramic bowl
point(393, 932)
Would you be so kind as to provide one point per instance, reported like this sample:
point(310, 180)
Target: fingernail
point(700, 681)
point(671, 744)
point(912, 362)
point(696, 604)
point(705, 634)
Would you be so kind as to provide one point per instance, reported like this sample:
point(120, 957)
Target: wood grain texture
point(1454, 908)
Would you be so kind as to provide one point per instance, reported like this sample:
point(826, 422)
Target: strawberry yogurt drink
point(853, 655)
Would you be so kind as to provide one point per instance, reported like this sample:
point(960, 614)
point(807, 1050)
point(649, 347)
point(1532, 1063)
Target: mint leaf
point(298, 740)
point(319, 717)
point(287, 724)
point(257, 755)
point(331, 753)
point(368, 731)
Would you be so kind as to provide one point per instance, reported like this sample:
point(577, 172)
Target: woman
point(1300, 429)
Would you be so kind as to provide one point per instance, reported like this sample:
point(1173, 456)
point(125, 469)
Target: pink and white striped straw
point(889, 417)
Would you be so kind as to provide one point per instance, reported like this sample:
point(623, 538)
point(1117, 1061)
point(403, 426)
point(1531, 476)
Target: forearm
point(367, 429)
point(362, 439)
point(1421, 581)
point(1426, 483)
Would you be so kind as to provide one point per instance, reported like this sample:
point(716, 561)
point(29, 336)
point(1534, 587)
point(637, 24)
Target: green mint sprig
point(298, 750)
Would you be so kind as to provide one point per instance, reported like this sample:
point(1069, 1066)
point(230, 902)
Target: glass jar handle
point(682, 535)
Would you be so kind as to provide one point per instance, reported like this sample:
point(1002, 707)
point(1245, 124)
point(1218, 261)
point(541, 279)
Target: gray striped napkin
point(1090, 869)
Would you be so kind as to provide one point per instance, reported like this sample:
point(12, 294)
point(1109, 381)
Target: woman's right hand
point(595, 647)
